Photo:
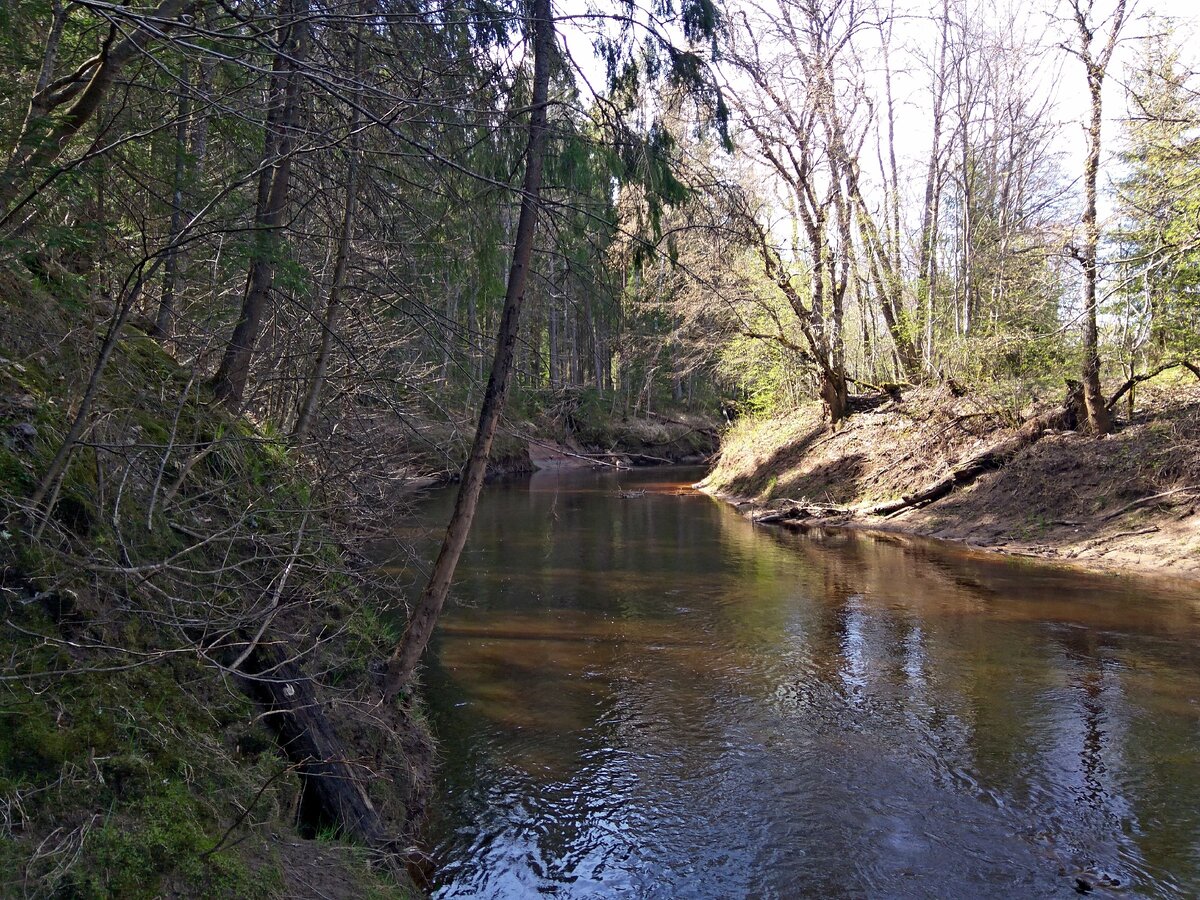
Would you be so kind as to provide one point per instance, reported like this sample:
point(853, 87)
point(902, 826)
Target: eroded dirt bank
point(1129, 501)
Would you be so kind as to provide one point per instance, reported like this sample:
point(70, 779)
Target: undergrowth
point(132, 763)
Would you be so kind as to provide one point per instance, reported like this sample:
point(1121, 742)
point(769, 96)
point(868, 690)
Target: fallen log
point(333, 787)
point(993, 457)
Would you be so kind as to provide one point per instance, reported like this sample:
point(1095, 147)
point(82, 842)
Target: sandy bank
point(1125, 502)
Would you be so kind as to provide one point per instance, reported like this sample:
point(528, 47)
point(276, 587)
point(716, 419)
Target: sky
point(1060, 76)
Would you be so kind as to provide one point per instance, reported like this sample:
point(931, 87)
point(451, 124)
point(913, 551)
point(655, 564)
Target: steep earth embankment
point(583, 436)
point(1128, 501)
point(182, 549)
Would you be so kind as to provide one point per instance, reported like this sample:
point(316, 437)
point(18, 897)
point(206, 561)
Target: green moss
point(163, 838)
point(139, 761)
point(15, 477)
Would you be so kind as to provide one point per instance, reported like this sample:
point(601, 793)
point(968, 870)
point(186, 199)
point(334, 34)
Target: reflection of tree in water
point(623, 646)
point(1130, 794)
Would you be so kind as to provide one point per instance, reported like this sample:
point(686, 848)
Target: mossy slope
point(131, 761)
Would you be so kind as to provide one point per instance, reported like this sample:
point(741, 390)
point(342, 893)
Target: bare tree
point(1095, 58)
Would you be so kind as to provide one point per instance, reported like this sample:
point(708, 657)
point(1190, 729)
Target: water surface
point(646, 696)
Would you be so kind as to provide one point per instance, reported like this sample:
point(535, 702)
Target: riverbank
point(187, 628)
point(585, 436)
point(1126, 502)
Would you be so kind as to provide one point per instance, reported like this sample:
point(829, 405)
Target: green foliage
point(162, 835)
point(1159, 200)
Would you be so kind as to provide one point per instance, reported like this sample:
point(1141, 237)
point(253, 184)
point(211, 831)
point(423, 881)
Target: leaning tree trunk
point(335, 785)
point(424, 617)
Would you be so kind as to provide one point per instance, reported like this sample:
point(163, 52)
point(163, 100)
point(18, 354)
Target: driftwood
point(1146, 376)
point(625, 454)
point(993, 457)
point(703, 429)
point(333, 785)
point(1144, 500)
point(799, 510)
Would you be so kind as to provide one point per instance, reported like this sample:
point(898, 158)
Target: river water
point(647, 696)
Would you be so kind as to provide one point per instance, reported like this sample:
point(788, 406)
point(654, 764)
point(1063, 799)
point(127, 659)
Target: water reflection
point(649, 697)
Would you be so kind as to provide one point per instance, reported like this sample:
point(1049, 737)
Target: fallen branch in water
point(807, 511)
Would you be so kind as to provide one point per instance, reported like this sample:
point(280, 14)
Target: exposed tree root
point(1144, 500)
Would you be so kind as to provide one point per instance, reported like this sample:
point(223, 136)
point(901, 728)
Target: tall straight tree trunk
point(229, 384)
point(927, 253)
point(1099, 420)
point(424, 617)
point(553, 339)
point(1095, 65)
point(164, 323)
point(333, 306)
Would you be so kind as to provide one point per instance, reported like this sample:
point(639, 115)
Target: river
point(647, 696)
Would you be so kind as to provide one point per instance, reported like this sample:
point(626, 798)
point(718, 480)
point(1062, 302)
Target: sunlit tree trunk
point(1095, 66)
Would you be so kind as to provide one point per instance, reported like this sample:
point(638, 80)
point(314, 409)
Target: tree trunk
point(333, 306)
point(229, 384)
point(164, 323)
point(412, 644)
point(836, 396)
point(927, 253)
point(1095, 66)
point(1099, 421)
point(332, 784)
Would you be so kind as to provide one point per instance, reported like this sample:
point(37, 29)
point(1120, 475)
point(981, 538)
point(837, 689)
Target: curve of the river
point(646, 696)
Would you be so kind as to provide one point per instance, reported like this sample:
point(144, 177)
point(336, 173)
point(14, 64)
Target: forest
point(270, 267)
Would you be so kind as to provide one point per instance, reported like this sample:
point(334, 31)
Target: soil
point(1129, 501)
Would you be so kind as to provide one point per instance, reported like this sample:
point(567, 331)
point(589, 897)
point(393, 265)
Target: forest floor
point(1127, 502)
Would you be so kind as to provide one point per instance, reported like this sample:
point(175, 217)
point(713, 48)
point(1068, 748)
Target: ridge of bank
point(1127, 502)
